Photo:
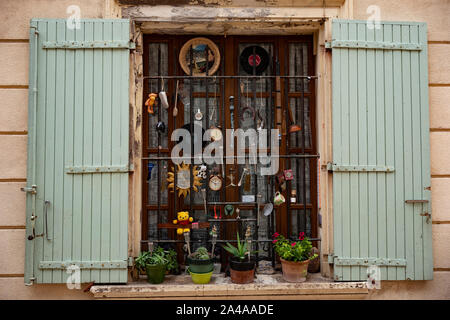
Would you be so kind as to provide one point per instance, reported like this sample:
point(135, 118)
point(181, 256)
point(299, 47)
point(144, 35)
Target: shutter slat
point(390, 152)
point(353, 152)
point(81, 121)
point(87, 212)
point(380, 119)
point(380, 193)
point(425, 153)
point(398, 152)
point(362, 148)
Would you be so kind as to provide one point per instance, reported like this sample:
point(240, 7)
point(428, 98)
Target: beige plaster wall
point(14, 20)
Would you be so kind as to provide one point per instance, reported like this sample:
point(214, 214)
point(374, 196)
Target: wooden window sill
point(265, 286)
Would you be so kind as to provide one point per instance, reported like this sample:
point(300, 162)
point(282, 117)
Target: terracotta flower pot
point(294, 271)
point(242, 272)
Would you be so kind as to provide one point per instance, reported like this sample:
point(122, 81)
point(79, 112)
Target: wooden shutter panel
point(77, 180)
point(381, 156)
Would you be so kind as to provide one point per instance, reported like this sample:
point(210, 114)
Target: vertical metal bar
point(158, 232)
point(174, 126)
point(275, 71)
point(288, 137)
point(207, 112)
point(256, 210)
point(191, 125)
point(302, 120)
point(223, 228)
point(297, 180)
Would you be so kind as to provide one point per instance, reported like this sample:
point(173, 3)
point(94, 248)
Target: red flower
point(301, 236)
point(274, 241)
point(275, 235)
point(293, 244)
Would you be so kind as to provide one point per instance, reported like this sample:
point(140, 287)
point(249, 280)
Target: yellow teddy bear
point(183, 220)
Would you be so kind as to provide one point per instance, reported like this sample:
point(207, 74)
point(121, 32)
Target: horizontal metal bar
point(96, 169)
point(229, 77)
point(115, 264)
point(369, 261)
point(348, 168)
point(105, 44)
point(359, 44)
point(209, 241)
point(232, 220)
point(292, 156)
point(212, 203)
point(416, 201)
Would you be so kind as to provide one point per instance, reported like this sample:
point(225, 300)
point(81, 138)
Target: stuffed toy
point(183, 220)
point(151, 102)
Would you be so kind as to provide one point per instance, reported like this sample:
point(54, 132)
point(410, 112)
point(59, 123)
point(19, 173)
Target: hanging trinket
point(278, 199)
point(150, 167)
point(151, 103)
point(163, 97)
point(198, 115)
point(160, 127)
point(293, 196)
point(288, 174)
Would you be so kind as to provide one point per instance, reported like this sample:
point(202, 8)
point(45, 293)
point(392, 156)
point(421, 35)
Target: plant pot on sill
point(200, 266)
point(242, 271)
point(294, 271)
point(155, 273)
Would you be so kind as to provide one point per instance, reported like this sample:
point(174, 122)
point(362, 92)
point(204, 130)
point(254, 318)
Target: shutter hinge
point(331, 258)
point(31, 189)
point(358, 168)
point(130, 261)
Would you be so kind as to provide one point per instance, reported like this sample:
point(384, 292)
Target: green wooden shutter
point(381, 156)
point(78, 151)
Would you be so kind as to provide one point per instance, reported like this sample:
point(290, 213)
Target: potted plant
point(156, 263)
point(294, 256)
point(242, 266)
point(200, 261)
point(200, 266)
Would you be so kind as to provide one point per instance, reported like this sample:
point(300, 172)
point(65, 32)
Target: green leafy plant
point(293, 250)
point(172, 263)
point(240, 251)
point(200, 254)
point(158, 256)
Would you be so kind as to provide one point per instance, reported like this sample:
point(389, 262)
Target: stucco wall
point(15, 16)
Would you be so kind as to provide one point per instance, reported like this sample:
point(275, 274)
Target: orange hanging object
point(151, 102)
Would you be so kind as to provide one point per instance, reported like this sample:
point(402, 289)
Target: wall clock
point(215, 182)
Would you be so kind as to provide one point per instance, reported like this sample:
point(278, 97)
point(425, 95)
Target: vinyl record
point(262, 59)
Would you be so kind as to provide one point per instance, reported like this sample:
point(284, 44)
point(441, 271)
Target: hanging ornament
point(254, 56)
point(184, 179)
point(151, 103)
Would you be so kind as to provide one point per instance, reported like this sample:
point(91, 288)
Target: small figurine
point(151, 102)
point(183, 220)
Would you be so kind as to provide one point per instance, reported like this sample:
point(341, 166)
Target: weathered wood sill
point(264, 287)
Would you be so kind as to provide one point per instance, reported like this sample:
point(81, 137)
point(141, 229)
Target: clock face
point(215, 183)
